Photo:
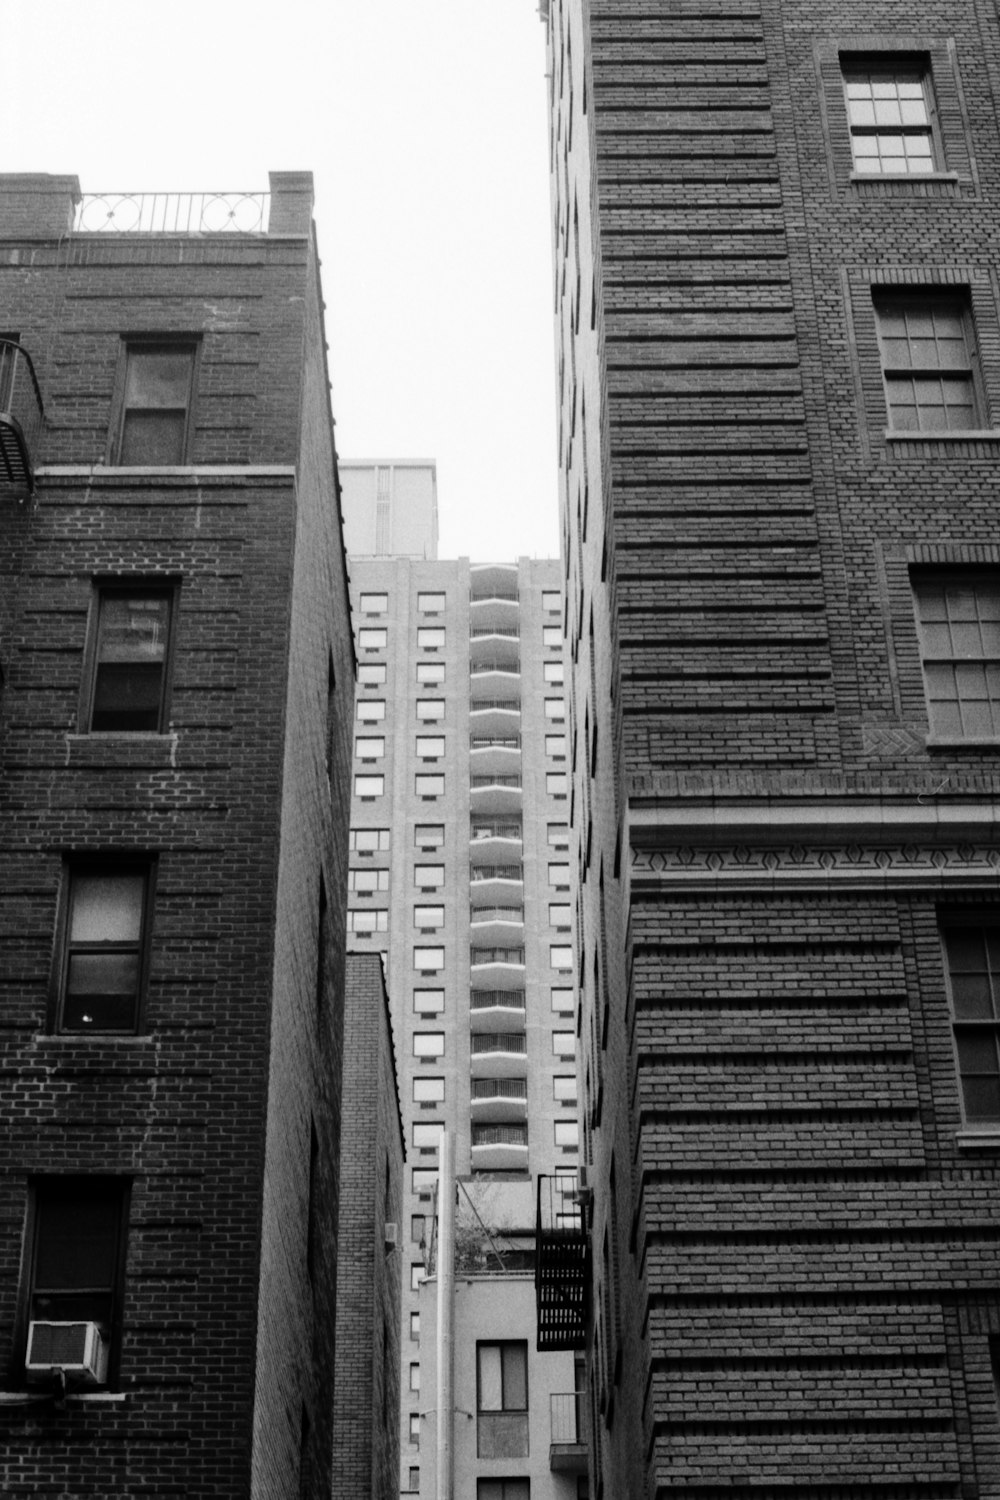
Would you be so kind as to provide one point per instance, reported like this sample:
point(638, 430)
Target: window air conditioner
point(75, 1348)
point(391, 1236)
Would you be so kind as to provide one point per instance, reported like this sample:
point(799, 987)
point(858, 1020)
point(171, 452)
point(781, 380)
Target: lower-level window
point(503, 1489)
point(102, 962)
point(502, 1399)
point(973, 954)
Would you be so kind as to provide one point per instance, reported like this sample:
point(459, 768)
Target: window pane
point(107, 908)
point(153, 437)
point(490, 1378)
point(131, 654)
point(515, 1377)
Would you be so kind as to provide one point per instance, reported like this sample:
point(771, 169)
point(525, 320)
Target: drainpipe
point(445, 1310)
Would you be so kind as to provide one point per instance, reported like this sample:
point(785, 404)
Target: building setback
point(779, 368)
point(459, 874)
point(369, 1253)
point(174, 771)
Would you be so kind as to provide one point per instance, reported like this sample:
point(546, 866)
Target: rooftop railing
point(172, 213)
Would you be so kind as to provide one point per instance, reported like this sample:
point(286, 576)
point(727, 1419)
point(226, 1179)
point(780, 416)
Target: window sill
point(975, 742)
point(905, 179)
point(963, 435)
point(33, 1395)
point(986, 1138)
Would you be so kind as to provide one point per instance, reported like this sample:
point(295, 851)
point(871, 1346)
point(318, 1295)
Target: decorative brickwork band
point(852, 866)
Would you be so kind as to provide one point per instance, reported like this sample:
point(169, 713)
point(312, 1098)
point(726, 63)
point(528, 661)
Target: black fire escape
point(562, 1264)
point(21, 417)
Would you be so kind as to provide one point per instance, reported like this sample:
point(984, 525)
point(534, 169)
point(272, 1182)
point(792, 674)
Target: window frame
point(153, 343)
point(894, 66)
point(945, 578)
point(504, 1409)
point(982, 922)
point(954, 301)
point(366, 704)
point(87, 866)
point(103, 588)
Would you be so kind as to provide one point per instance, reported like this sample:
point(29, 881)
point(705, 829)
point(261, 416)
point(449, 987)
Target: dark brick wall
point(207, 1112)
point(801, 1281)
point(366, 1393)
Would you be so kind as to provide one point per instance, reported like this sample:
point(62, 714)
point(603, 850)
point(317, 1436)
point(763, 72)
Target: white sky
point(424, 123)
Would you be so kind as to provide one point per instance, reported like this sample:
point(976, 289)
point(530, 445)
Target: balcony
point(492, 838)
point(499, 1100)
point(499, 1148)
point(496, 1010)
point(502, 1054)
point(562, 1265)
point(498, 885)
point(499, 968)
point(488, 581)
point(21, 418)
point(494, 643)
point(568, 1428)
point(496, 926)
point(497, 713)
point(495, 792)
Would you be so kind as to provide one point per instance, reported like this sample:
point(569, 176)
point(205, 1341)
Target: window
point(555, 746)
point(430, 710)
point(503, 1489)
point(973, 958)
point(130, 657)
point(373, 638)
point(555, 710)
point(418, 1274)
point(428, 835)
point(157, 403)
point(428, 960)
point(103, 959)
point(430, 671)
point(959, 626)
point(430, 746)
point(564, 1043)
point(370, 840)
point(553, 672)
point(560, 914)
point(371, 710)
point(424, 1180)
point(564, 1088)
point(502, 1399)
point(374, 604)
point(415, 1428)
point(367, 919)
point(427, 1135)
point(371, 674)
point(367, 747)
point(368, 880)
point(428, 1044)
point(889, 115)
point(559, 877)
point(430, 638)
point(430, 603)
point(556, 783)
point(414, 1376)
point(77, 1260)
point(428, 877)
point(413, 1483)
point(428, 1002)
point(551, 601)
point(428, 1090)
point(415, 1326)
point(552, 637)
point(428, 785)
point(567, 1134)
point(428, 916)
point(561, 956)
point(563, 1002)
point(369, 786)
point(558, 836)
point(927, 357)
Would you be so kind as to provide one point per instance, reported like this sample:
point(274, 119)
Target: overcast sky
point(424, 123)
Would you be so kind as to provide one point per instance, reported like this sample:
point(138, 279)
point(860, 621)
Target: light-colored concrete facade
point(390, 508)
point(460, 874)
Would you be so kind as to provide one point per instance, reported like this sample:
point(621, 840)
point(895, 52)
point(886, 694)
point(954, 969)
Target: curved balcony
point(494, 643)
point(497, 885)
point(499, 1148)
point(496, 926)
point(493, 581)
point(499, 1054)
point(494, 841)
point(496, 1010)
point(499, 1100)
point(497, 967)
point(500, 715)
point(492, 682)
point(495, 752)
point(21, 418)
point(495, 793)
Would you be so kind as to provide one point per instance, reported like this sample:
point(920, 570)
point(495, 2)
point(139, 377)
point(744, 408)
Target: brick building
point(778, 334)
point(174, 790)
point(369, 1247)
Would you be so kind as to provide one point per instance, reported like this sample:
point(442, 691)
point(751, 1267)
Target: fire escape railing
point(21, 418)
point(562, 1264)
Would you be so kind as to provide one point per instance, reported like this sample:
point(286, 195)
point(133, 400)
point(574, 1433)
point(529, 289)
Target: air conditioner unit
point(77, 1349)
point(391, 1236)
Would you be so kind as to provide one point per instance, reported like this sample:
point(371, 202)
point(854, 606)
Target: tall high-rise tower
point(778, 330)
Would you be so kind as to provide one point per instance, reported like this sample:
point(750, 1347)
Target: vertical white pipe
point(445, 1309)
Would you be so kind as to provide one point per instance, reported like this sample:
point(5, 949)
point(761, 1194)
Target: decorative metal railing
point(499, 1088)
point(502, 1041)
point(478, 782)
point(512, 665)
point(497, 914)
point(496, 830)
point(498, 872)
point(499, 1135)
point(506, 596)
point(490, 999)
point(509, 705)
point(494, 742)
point(172, 213)
point(505, 632)
point(21, 418)
point(497, 956)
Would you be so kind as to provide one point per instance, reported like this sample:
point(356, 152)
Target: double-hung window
point(157, 403)
point(959, 626)
point(928, 361)
point(502, 1399)
point(890, 115)
point(102, 962)
point(973, 959)
point(131, 659)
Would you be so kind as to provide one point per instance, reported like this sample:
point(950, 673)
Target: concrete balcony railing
point(499, 1100)
point(499, 1148)
point(496, 1011)
point(499, 1054)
